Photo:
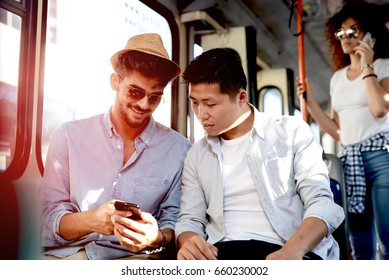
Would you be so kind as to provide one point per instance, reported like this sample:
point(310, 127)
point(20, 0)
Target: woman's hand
point(304, 91)
point(365, 51)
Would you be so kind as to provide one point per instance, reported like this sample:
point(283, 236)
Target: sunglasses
point(135, 94)
point(350, 32)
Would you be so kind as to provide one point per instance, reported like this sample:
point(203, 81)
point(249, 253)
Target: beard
point(127, 115)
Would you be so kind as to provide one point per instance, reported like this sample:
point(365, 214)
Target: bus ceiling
point(276, 45)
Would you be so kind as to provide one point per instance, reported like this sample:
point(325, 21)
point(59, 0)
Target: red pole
point(301, 56)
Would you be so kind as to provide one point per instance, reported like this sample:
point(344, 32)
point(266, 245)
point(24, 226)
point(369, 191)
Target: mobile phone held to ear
point(368, 38)
point(131, 207)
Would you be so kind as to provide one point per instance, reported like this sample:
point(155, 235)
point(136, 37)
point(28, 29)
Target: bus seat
point(341, 234)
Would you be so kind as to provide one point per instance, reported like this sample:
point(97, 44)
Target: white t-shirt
point(348, 99)
point(244, 216)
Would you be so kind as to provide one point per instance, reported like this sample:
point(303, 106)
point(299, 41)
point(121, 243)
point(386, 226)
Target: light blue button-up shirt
point(84, 169)
point(290, 177)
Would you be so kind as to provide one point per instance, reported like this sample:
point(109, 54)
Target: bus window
point(276, 91)
point(10, 25)
point(271, 98)
point(79, 46)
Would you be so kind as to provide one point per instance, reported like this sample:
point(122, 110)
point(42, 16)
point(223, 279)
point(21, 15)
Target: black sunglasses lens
point(352, 33)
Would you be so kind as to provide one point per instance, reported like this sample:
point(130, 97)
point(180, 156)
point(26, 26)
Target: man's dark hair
point(221, 66)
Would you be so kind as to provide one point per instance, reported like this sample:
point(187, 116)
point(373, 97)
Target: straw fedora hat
point(150, 43)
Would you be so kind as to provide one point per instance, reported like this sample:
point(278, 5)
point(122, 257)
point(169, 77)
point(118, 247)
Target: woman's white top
point(349, 100)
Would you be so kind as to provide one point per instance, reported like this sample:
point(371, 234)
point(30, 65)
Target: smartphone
point(127, 206)
point(369, 38)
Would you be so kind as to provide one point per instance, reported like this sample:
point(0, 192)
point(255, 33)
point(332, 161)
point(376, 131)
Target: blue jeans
point(372, 226)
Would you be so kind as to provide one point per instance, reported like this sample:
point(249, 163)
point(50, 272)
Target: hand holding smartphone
point(131, 207)
point(368, 38)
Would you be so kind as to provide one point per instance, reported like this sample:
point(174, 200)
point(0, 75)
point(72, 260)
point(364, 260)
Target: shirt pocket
point(279, 173)
point(151, 191)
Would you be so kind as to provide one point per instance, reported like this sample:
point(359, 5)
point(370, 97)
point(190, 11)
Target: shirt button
point(119, 147)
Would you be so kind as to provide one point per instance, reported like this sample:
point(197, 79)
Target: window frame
point(27, 10)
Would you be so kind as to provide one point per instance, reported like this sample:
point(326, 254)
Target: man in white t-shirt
point(255, 186)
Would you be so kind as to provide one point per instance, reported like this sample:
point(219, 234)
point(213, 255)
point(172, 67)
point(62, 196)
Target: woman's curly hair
point(370, 19)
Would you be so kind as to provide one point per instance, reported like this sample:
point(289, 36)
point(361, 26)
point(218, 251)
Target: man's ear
point(243, 98)
point(114, 81)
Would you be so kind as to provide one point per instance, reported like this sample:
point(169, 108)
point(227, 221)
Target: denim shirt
point(84, 169)
point(289, 174)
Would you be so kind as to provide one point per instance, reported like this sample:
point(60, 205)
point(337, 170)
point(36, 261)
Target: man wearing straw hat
point(117, 156)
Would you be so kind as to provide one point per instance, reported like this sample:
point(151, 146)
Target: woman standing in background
point(359, 89)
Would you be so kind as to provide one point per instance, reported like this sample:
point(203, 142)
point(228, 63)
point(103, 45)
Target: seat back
point(338, 188)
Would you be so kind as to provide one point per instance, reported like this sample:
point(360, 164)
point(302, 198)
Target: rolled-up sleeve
point(312, 180)
point(193, 204)
point(55, 190)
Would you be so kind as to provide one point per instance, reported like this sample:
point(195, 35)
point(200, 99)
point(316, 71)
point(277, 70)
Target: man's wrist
point(163, 241)
point(161, 247)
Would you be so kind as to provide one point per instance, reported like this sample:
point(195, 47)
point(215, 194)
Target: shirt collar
point(147, 134)
point(258, 127)
point(107, 122)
